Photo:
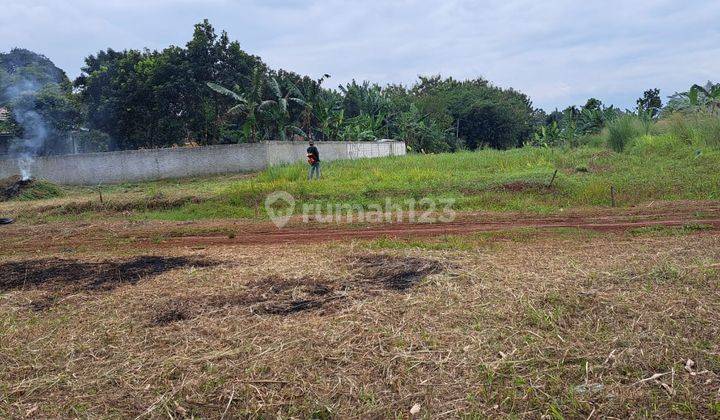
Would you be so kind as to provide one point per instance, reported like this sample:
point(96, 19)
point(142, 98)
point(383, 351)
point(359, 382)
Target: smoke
point(35, 129)
point(35, 133)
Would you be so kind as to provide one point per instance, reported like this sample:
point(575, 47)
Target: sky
point(559, 52)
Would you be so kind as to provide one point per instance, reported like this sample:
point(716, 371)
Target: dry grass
point(547, 326)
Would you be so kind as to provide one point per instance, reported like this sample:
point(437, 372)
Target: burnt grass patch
point(174, 312)
point(13, 187)
point(370, 275)
point(392, 273)
point(67, 276)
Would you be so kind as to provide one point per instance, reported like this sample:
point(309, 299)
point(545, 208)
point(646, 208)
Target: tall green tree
point(650, 102)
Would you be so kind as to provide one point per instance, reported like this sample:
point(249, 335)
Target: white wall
point(147, 165)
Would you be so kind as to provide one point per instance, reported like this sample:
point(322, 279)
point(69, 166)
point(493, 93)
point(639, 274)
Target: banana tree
point(705, 98)
point(547, 136)
point(330, 117)
point(247, 104)
point(364, 127)
point(278, 109)
point(314, 97)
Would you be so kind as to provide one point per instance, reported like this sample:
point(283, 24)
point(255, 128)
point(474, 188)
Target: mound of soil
point(64, 277)
point(13, 187)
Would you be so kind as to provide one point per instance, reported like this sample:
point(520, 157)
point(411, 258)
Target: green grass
point(40, 190)
point(475, 240)
point(670, 230)
point(651, 168)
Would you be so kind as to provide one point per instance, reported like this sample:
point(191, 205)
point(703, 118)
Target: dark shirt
point(312, 150)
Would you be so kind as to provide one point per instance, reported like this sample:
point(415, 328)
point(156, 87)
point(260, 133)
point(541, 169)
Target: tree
point(593, 104)
point(492, 124)
point(160, 98)
point(247, 104)
point(707, 96)
point(210, 91)
point(278, 109)
point(477, 112)
point(698, 98)
point(650, 103)
point(330, 115)
point(43, 109)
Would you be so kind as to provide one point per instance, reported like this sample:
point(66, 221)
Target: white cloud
point(558, 52)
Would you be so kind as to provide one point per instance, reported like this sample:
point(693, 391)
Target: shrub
point(622, 130)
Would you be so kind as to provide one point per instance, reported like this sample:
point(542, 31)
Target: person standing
point(313, 155)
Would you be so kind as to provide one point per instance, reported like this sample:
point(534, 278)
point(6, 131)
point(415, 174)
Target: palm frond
point(275, 87)
point(225, 91)
point(237, 109)
point(265, 104)
point(299, 102)
point(294, 90)
point(297, 130)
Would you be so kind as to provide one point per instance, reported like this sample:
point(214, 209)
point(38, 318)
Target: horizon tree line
point(211, 92)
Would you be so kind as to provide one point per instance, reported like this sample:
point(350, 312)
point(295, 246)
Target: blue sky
point(559, 52)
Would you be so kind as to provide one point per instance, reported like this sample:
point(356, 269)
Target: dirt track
point(304, 235)
point(228, 233)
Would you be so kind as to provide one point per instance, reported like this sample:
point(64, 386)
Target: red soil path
point(674, 215)
point(164, 234)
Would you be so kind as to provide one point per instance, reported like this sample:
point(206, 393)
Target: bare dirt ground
point(616, 317)
point(223, 233)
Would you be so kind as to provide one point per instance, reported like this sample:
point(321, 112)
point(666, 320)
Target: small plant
point(622, 130)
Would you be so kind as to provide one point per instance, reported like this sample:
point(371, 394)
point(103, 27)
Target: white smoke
point(34, 127)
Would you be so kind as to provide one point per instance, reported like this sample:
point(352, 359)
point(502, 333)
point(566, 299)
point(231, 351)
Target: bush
point(622, 130)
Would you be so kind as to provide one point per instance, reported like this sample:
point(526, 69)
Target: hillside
point(22, 64)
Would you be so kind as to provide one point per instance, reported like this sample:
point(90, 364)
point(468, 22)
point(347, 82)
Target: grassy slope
point(653, 168)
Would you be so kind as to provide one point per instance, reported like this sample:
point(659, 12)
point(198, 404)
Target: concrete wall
point(146, 165)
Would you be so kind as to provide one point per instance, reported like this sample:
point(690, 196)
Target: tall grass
point(621, 131)
point(699, 129)
point(706, 131)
